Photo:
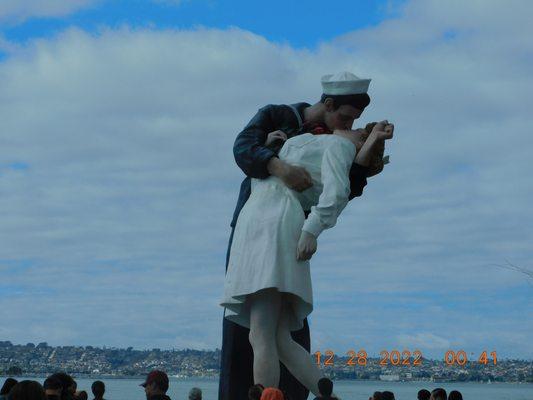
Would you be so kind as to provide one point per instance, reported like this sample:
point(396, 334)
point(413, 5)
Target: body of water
point(129, 389)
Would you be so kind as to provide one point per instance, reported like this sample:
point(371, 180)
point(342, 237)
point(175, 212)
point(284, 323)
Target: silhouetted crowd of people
point(61, 386)
point(325, 386)
point(58, 386)
point(423, 394)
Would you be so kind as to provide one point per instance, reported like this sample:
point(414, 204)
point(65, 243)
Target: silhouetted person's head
point(325, 387)
point(423, 394)
point(27, 390)
point(438, 394)
point(195, 394)
point(156, 383)
point(254, 392)
point(8, 384)
point(455, 395)
point(376, 396)
point(52, 388)
point(98, 389)
point(386, 395)
point(67, 383)
point(82, 395)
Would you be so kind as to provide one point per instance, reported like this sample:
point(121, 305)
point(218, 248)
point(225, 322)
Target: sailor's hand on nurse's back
point(295, 177)
point(306, 246)
point(276, 135)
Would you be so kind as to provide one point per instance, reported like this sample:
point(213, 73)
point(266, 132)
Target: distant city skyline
point(118, 181)
point(93, 361)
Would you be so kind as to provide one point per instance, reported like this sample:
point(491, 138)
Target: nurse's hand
point(306, 246)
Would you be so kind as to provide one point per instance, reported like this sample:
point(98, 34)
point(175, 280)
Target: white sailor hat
point(344, 83)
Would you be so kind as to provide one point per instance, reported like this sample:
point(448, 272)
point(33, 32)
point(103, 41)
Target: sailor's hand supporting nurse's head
point(295, 177)
point(306, 246)
point(356, 136)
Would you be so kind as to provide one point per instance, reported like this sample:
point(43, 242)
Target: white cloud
point(16, 11)
point(123, 210)
point(424, 340)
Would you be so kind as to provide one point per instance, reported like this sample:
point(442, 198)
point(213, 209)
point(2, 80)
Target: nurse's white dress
point(265, 240)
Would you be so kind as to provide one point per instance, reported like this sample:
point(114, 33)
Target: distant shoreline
point(207, 378)
point(112, 363)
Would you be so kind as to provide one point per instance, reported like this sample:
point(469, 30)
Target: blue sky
point(118, 183)
point(280, 21)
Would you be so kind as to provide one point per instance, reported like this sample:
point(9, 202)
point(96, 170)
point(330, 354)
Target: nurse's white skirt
point(263, 253)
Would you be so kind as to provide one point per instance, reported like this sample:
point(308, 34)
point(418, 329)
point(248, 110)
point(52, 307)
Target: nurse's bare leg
point(297, 360)
point(264, 314)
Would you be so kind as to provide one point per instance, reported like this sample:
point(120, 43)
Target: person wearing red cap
point(271, 393)
point(156, 385)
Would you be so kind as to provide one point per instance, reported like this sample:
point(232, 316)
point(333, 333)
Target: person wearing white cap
point(344, 98)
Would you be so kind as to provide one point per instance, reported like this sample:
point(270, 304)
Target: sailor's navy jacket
point(252, 156)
